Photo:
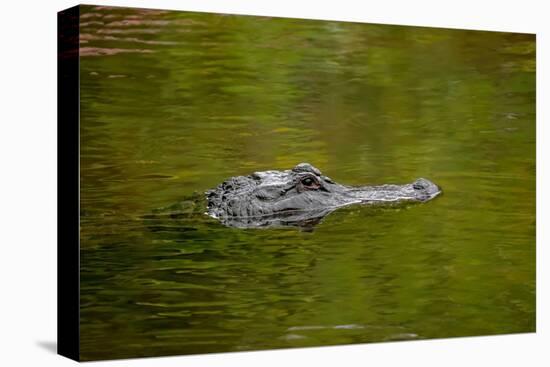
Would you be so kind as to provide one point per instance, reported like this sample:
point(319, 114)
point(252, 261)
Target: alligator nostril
point(421, 184)
point(425, 189)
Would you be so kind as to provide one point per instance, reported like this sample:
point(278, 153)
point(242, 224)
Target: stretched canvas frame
point(72, 47)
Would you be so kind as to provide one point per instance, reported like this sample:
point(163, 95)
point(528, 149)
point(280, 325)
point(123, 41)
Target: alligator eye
point(308, 181)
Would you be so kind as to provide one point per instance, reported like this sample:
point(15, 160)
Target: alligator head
point(301, 196)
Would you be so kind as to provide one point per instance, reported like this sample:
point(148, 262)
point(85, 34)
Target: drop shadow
point(50, 346)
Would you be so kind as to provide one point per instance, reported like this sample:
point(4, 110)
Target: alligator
point(301, 197)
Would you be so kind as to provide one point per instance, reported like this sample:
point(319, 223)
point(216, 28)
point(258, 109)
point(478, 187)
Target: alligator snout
point(425, 189)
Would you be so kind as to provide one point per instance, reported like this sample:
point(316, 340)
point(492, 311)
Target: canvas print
point(252, 183)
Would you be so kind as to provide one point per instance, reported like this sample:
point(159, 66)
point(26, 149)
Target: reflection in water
point(173, 103)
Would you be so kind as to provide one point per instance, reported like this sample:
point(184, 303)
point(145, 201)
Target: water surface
point(173, 103)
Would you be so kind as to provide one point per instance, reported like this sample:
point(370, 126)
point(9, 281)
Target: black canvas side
point(68, 242)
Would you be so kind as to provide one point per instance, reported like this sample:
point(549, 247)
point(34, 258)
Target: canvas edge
point(68, 182)
point(305, 18)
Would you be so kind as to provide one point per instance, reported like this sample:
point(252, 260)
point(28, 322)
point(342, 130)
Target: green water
point(173, 103)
